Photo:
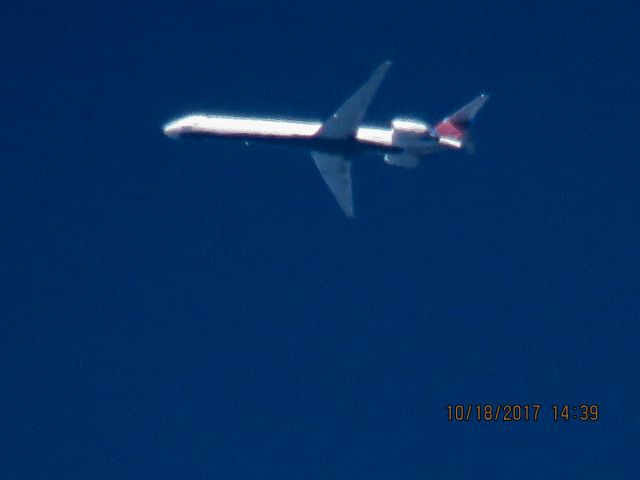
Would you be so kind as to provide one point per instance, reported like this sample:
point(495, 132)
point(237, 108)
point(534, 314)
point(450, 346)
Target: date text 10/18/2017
point(522, 412)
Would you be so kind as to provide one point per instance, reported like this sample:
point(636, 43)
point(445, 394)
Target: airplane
point(334, 142)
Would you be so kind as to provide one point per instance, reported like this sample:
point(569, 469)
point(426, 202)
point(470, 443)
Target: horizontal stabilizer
point(345, 122)
point(465, 115)
point(454, 128)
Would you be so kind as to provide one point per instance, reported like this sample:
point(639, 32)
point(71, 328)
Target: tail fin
point(454, 129)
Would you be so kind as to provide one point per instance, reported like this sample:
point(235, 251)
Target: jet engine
point(409, 127)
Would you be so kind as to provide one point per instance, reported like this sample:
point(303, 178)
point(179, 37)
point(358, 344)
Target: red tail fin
point(454, 126)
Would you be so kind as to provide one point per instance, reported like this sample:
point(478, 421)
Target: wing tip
point(385, 66)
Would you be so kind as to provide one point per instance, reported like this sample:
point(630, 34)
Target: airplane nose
point(171, 130)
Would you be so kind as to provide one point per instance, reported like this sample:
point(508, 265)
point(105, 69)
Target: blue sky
point(204, 310)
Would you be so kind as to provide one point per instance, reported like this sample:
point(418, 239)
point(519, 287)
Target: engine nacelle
point(404, 160)
point(409, 127)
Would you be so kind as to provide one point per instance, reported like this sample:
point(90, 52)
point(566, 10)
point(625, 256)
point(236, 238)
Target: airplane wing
point(336, 172)
point(349, 116)
point(336, 169)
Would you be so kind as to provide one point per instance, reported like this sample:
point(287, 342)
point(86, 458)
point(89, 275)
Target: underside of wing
point(345, 122)
point(336, 172)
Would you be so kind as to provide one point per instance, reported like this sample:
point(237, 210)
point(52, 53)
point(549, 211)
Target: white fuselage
point(419, 141)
